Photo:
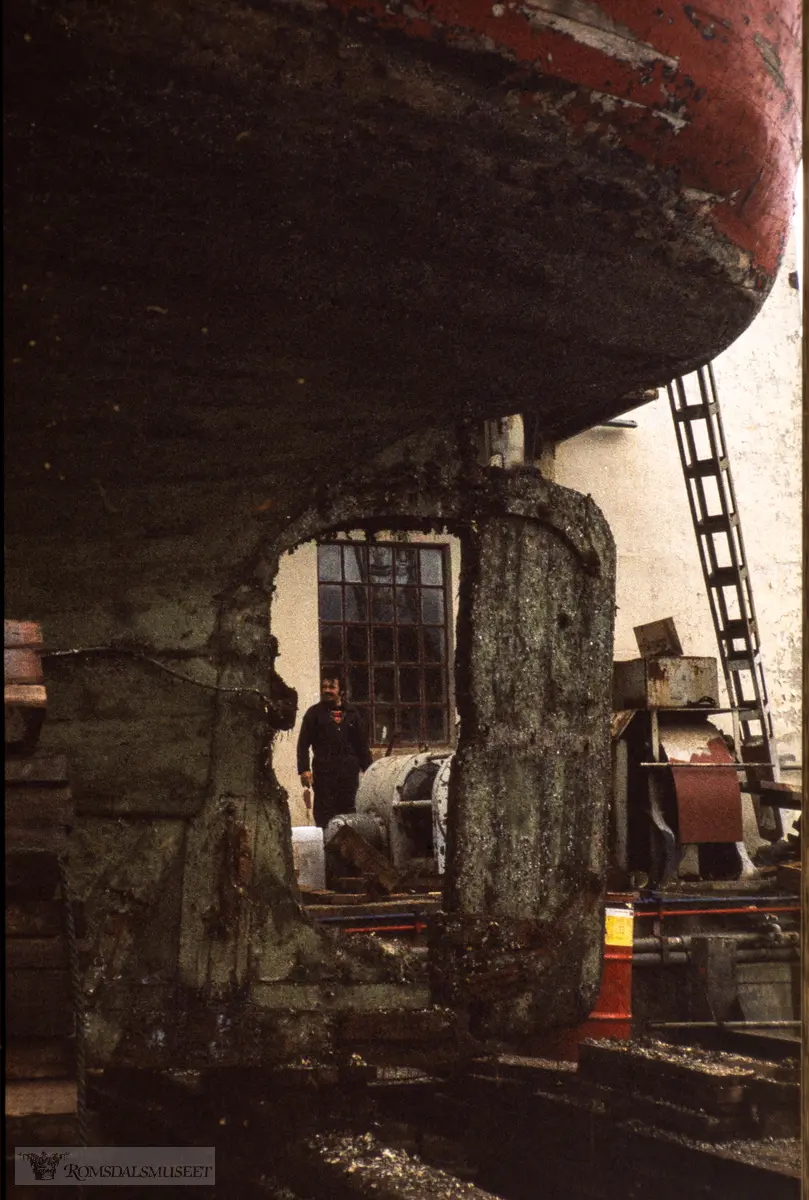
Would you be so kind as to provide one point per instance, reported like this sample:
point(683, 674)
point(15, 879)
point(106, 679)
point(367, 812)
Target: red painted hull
point(711, 95)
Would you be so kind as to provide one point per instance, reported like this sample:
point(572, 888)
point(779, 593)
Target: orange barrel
point(612, 1015)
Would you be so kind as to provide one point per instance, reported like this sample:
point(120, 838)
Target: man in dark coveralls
point(340, 750)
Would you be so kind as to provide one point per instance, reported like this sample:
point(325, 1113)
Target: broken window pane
point(331, 602)
point(328, 562)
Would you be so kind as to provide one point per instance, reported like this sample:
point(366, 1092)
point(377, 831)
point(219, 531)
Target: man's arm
point(361, 746)
point(304, 742)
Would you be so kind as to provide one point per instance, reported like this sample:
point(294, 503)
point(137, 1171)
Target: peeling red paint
point(708, 95)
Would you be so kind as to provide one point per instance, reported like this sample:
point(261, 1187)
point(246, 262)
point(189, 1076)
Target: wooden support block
point(24, 695)
point(39, 1058)
point(354, 849)
point(22, 633)
point(22, 666)
point(668, 1075)
point(45, 1097)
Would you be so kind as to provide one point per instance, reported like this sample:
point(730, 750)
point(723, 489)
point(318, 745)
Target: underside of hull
point(207, 203)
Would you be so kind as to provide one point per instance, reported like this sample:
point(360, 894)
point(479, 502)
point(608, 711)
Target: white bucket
point(308, 856)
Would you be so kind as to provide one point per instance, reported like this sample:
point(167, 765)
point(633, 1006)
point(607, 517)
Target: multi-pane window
point(383, 629)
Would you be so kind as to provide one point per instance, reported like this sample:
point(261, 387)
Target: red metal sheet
point(709, 802)
point(711, 94)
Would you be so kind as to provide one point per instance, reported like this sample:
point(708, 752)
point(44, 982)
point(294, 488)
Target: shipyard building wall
point(634, 476)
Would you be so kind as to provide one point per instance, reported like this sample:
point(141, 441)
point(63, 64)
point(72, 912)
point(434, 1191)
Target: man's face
point(330, 692)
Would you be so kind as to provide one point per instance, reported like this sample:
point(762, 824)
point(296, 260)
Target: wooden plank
point(24, 695)
point(46, 1097)
point(39, 1004)
point(39, 954)
point(671, 1074)
point(31, 875)
point(658, 637)
point(41, 918)
point(22, 633)
point(353, 848)
point(39, 1058)
point(778, 795)
point(22, 666)
point(39, 769)
point(28, 807)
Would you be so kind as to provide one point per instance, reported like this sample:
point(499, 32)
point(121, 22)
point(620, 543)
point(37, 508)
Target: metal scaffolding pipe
point(760, 941)
point(663, 958)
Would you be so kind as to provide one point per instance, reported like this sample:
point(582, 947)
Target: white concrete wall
point(293, 620)
point(634, 475)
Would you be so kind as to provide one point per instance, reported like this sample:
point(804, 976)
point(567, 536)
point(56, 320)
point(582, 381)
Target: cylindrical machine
point(399, 791)
point(366, 824)
point(440, 810)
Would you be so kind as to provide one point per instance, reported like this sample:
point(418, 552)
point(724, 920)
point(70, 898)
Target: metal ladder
point(717, 525)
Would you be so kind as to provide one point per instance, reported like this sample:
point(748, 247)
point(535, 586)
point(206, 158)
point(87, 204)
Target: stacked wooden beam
point(41, 1088)
point(24, 692)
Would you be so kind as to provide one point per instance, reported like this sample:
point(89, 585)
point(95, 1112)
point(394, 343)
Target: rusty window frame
point(346, 579)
